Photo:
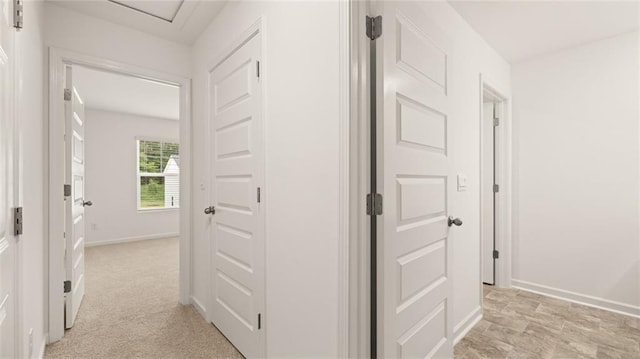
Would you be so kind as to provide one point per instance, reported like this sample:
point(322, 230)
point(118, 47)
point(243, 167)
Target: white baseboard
point(130, 239)
point(591, 301)
point(41, 351)
point(460, 330)
point(199, 307)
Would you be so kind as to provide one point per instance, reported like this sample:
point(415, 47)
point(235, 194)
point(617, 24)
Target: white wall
point(470, 57)
point(576, 175)
point(31, 78)
point(300, 67)
point(110, 170)
point(87, 35)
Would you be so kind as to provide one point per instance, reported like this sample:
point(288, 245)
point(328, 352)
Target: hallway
point(131, 308)
point(520, 324)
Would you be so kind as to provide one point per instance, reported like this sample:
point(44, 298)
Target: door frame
point(359, 178)
point(503, 177)
point(54, 167)
point(15, 192)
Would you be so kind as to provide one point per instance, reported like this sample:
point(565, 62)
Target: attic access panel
point(164, 10)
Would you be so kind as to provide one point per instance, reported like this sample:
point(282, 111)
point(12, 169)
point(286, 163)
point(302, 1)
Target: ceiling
point(109, 91)
point(177, 20)
point(520, 30)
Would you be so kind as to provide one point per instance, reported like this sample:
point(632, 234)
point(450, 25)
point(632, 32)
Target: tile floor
point(520, 324)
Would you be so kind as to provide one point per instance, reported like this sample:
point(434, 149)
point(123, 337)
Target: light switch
point(462, 182)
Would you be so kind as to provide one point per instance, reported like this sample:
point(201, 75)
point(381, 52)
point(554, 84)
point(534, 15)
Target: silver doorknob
point(210, 210)
point(456, 221)
point(87, 203)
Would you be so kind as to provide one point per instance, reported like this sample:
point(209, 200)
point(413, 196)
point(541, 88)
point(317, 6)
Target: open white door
point(414, 259)
point(74, 200)
point(237, 222)
point(8, 265)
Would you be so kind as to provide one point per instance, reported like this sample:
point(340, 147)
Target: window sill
point(151, 210)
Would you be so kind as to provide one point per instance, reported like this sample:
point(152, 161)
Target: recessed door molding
point(503, 177)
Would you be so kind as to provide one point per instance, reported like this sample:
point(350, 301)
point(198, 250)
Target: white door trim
point(54, 167)
point(344, 179)
point(359, 236)
point(503, 178)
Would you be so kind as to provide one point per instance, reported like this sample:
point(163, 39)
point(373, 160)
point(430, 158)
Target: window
point(158, 174)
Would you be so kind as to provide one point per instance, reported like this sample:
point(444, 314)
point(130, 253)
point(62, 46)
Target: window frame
point(147, 174)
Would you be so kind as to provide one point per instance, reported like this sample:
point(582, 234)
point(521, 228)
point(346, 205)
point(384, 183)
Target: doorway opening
point(119, 148)
point(495, 186)
point(125, 155)
point(490, 187)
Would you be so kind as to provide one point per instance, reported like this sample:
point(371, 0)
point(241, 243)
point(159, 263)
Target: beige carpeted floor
point(131, 309)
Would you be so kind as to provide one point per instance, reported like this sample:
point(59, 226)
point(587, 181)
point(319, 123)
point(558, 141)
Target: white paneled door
point(238, 223)
point(8, 191)
point(74, 200)
point(414, 282)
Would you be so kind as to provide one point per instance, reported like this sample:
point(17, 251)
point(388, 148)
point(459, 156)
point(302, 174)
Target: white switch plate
point(462, 183)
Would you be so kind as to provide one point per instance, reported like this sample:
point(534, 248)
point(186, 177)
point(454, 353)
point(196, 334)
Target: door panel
point(8, 190)
point(415, 258)
point(237, 163)
point(74, 215)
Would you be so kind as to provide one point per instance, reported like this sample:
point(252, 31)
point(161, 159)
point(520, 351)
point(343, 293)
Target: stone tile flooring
point(520, 324)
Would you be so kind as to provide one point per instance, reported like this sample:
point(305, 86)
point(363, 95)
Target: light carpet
point(131, 309)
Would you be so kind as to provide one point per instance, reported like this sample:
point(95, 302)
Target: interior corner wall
point(86, 35)
point(31, 245)
point(301, 81)
point(576, 156)
point(111, 178)
point(470, 57)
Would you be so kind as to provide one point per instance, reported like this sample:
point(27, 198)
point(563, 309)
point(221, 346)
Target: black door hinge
point(496, 188)
point(374, 204)
point(18, 14)
point(259, 321)
point(258, 69)
point(67, 190)
point(496, 254)
point(374, 27)
point(67, 286)
point(258, 194)
point(17, 221)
